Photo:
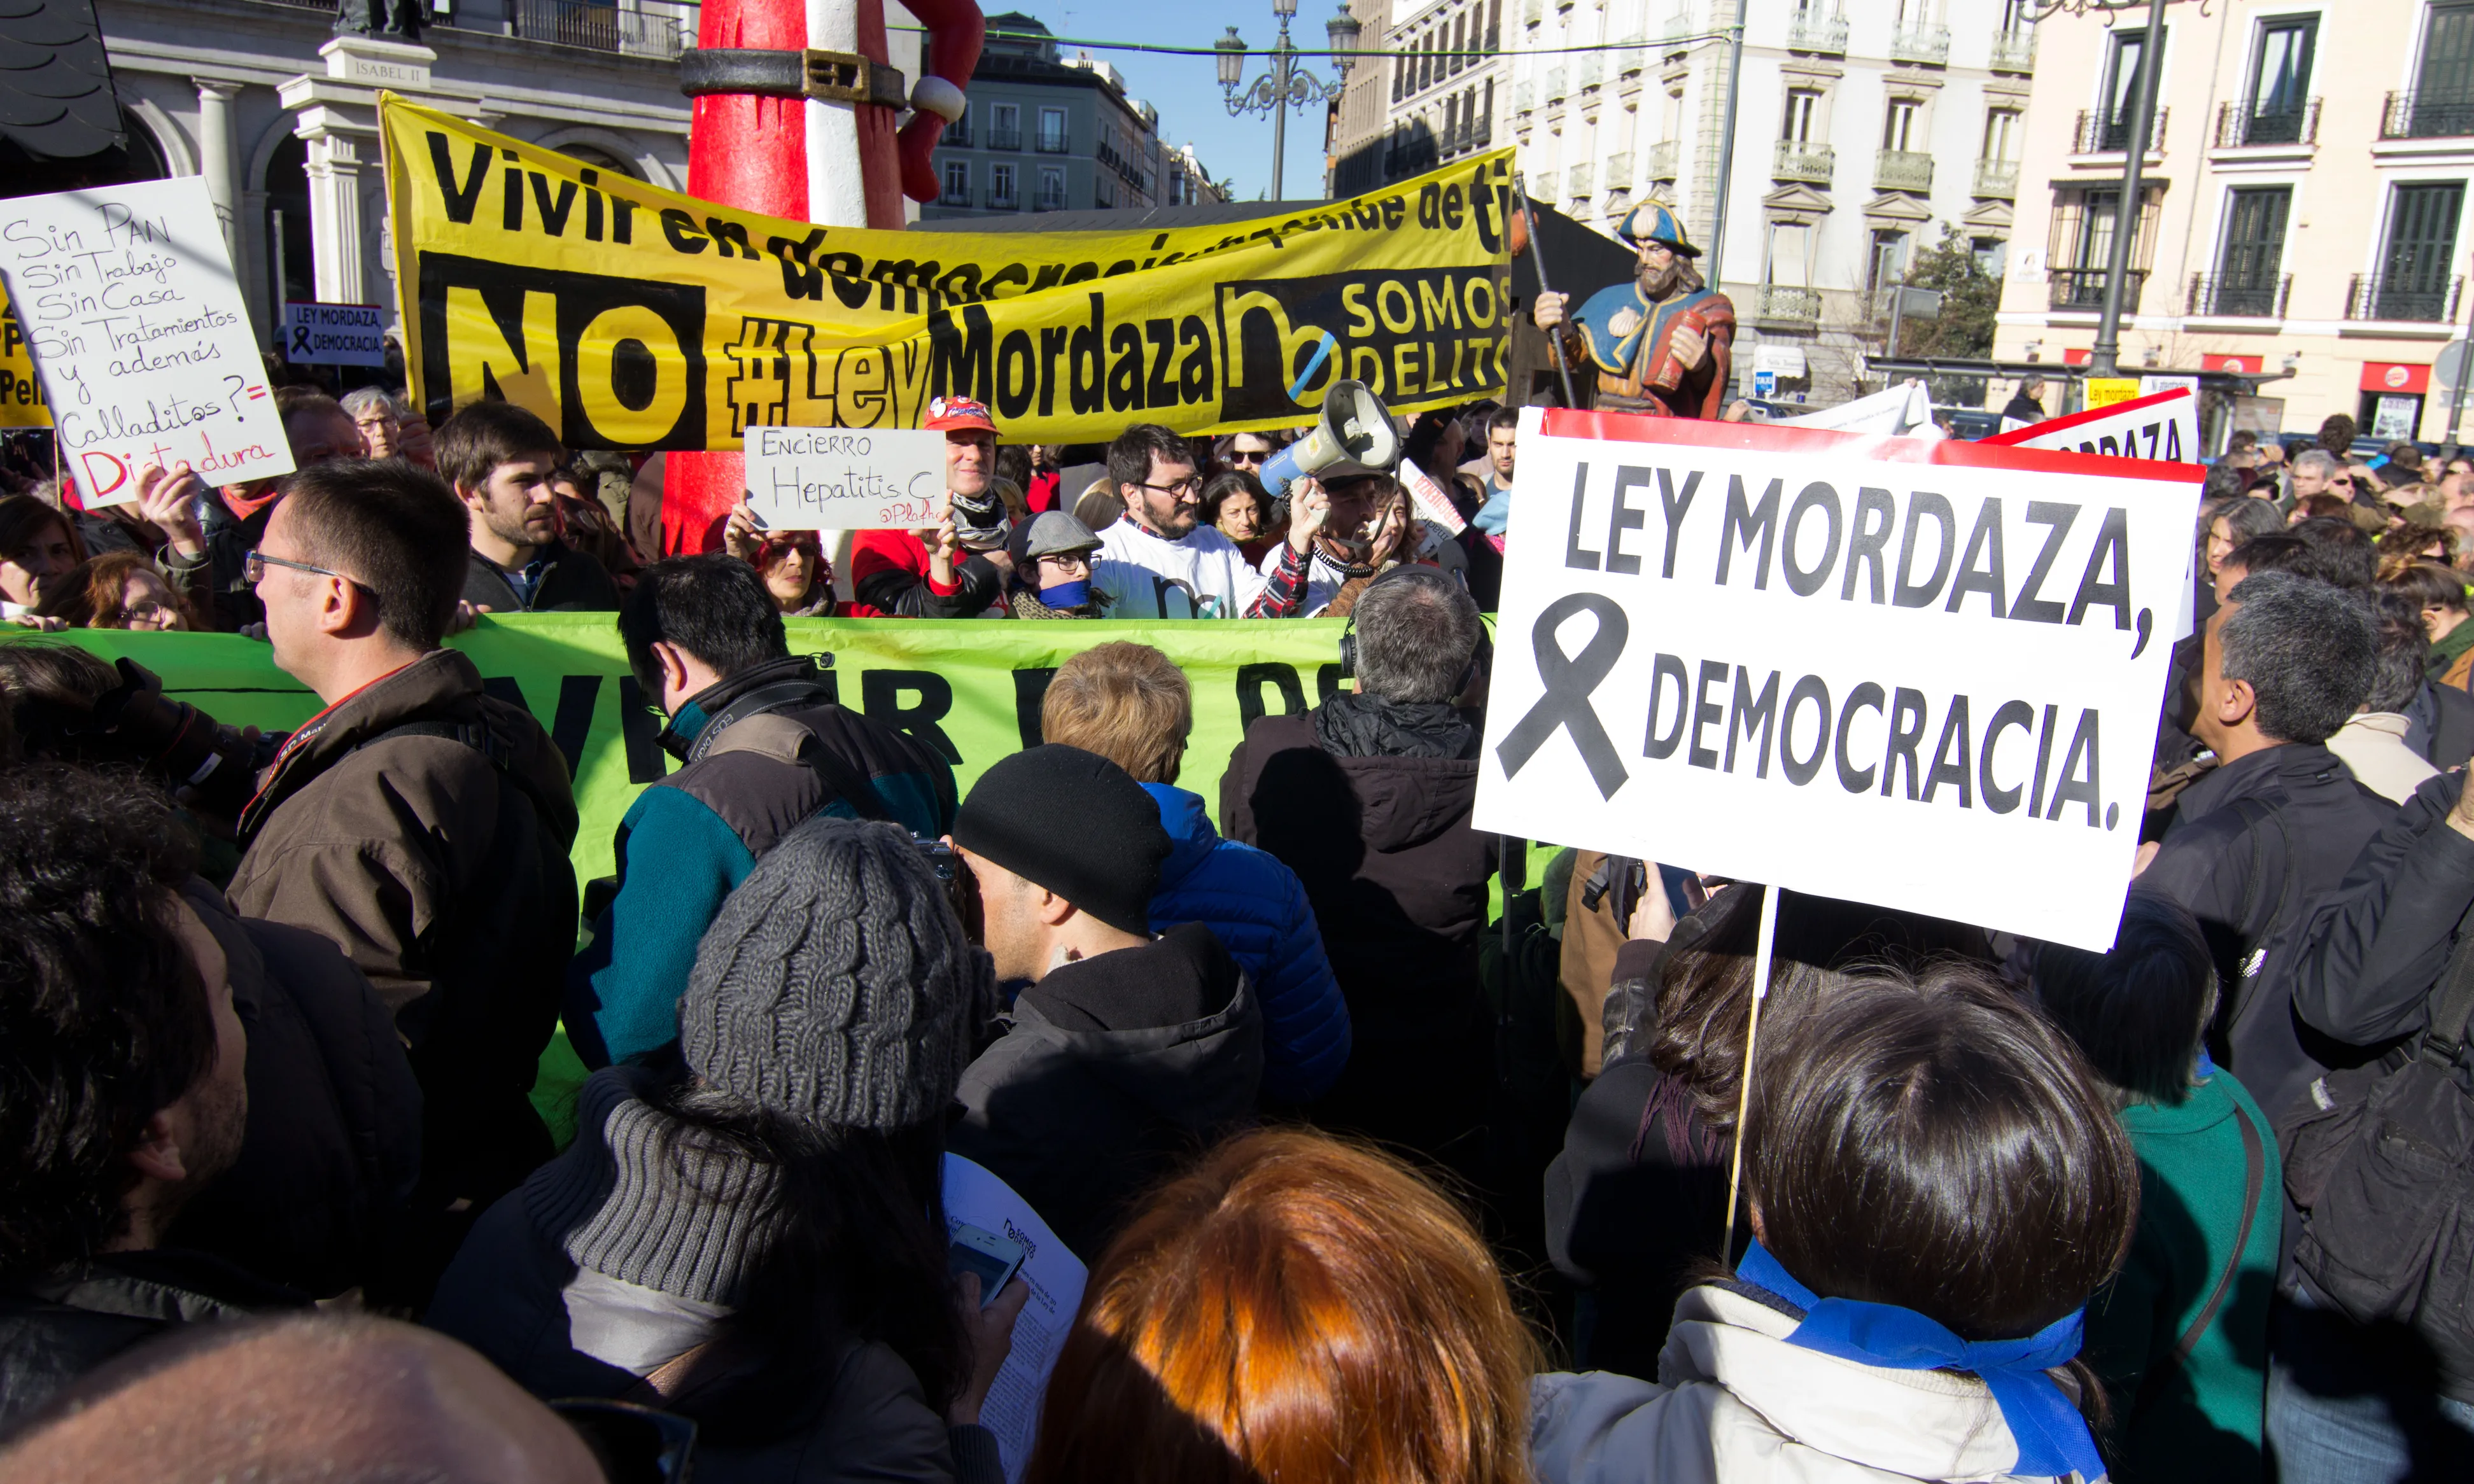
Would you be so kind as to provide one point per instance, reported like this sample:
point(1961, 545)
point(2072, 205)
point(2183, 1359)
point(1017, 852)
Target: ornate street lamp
point(1286, 86)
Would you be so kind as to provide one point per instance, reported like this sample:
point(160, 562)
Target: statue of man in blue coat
point(1661, 344)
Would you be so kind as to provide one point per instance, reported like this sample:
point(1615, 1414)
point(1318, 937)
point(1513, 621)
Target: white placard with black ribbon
point(1924, 676)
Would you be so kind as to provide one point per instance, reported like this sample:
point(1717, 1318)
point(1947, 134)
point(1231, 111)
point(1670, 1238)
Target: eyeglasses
point(635, 1445)
point(147, 611)
point(2345, 483)
point(253, 570)
point(1189, 486)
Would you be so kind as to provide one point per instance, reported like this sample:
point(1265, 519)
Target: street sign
point(1765, 383)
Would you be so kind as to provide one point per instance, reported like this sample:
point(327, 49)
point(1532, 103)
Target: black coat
point(333, 1143)
point(574, 582)
point(54, 1328)
point(2253, 849)
point(1111, 1072)
point(1638, 1196)
point(2378, 944)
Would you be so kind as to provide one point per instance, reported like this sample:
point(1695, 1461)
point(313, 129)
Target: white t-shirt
point(1202, 577)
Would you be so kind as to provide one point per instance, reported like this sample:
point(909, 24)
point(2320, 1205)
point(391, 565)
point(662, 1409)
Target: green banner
point(969, 689)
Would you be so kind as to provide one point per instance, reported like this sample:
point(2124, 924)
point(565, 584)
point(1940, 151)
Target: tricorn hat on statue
point(1651, 222)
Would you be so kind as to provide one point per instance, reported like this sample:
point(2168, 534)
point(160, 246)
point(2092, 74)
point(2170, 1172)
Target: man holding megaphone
point(1348, 518)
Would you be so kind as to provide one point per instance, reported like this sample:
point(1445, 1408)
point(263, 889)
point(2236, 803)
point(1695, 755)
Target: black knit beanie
point(835, 985)
point(1074, 822)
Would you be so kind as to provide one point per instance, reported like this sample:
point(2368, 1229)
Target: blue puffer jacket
point(1257, 909)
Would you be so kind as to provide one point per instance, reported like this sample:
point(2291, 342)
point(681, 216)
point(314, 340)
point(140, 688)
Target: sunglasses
point(635, 1445)
point(1248, 456)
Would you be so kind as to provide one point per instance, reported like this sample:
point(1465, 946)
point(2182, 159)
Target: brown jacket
point(441, 869)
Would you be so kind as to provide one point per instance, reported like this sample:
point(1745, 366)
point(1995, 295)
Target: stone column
point(335, 215)
point(215, 160)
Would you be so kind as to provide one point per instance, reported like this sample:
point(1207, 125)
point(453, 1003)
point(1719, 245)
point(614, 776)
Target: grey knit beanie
point(835, 985)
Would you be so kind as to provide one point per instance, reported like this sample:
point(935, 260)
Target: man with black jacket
point(1124, 1053)
point(121, 1086)
point(763, 744)
point(2256, 842)
point(2380, 1399)
point(500, 458)
point(1368, 798)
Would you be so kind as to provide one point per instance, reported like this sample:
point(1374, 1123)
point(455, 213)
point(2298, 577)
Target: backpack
point(2380, 1162)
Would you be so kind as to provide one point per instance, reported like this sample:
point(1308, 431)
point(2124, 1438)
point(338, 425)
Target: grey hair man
point(1368, 797)
point(2312, 469)
point(2287, 661)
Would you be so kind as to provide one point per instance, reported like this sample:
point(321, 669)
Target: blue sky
point(1186, 90)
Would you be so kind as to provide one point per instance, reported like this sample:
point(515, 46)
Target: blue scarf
point(1496, 512)
point(1066, 595)
point(2054, 1437)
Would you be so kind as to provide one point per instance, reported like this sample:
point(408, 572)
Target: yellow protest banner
point(629, 317)
point(2105, 391)
point(21, 394)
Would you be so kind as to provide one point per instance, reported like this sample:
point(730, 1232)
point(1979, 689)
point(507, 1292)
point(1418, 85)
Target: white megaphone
point(1355, 435)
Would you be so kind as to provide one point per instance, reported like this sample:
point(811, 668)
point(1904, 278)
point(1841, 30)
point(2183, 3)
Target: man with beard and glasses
point(1366, 530)
point(1162, 562)
point(1662, 344)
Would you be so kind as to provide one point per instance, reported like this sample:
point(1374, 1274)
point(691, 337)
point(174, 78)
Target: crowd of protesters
point(1379, 1173)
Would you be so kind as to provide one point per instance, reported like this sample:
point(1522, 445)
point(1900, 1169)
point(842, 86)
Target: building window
point(1801, 104)
point(2002, 136)
point(1001, 195)
point(1991, 255)
point(1900, 131)
point(2121, 88)
point(2413, 281)
point(2281, 80)
point(1051, 130)
point(957, 183)
point(2443, 85)
point(2081, 242)
point(1052, 189)
point(1889, 260)
point(1005, 126)
point(958, 132)
point(2253, 253)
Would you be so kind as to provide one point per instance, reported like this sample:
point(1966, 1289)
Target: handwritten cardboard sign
point(139, 335)
point(846, 479)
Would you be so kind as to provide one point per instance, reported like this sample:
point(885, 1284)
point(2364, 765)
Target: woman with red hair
point(1295, 1309)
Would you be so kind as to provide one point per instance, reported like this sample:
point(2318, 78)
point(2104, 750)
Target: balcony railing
point(600, 28)
point(1004, 200)
point(1809, 32)
point(1554, 88)
point(1661, 160)
point(1005, 138)
point(1533, 12)
point(1779, 305)
point(2233, 296)
point(1620, 172)
point(2239, 126)
point(2014, 51)
point(1798, 160)
point(1523, 97)
point(1925, 45)
point(1903, 170)
point(1050, 200)
point(957, 134)
point(2427, 115)
point(1997, 179)
point(2083, 288)
point(2103, 133)
point(1576, 182)
point(1678, 26)
point(2414, 298)
point(1050, 142)
point(953, 194)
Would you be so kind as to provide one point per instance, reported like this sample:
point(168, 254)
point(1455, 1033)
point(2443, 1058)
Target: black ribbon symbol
point(300, 337)
point(1569, 679)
